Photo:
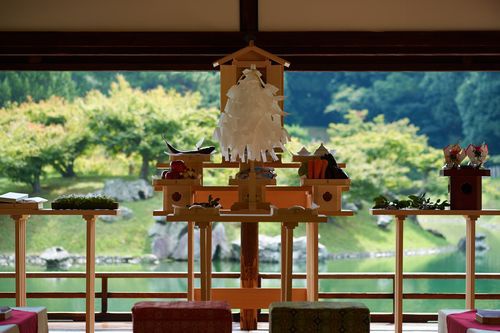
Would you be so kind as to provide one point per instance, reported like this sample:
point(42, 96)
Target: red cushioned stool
point(182, 317)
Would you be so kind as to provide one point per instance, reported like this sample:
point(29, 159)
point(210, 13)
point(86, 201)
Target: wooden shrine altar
point(251, 201)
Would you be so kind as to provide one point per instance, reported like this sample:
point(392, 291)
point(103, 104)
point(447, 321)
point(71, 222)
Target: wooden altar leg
point(470, 261)
point(90, 274)
point(289, 226)
point(20, 229)
point(205, 260)
point(209, 261)
point(398, 279)
point(312, 261)
point(190, 262)
point(283, 260)
point(249, 270)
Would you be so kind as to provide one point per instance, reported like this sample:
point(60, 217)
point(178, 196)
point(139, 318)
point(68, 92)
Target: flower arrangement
point(477, 154)
point(454, 155)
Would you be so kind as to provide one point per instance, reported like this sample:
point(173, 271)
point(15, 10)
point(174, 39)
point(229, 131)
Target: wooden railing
point(105, 294)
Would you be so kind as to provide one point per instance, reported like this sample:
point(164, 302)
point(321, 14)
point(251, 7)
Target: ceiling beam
point(249, 17)
point(464, 50)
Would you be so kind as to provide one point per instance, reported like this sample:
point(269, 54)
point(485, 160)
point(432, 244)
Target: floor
point(126, 327)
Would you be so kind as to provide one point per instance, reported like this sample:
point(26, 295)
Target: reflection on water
point(449, 262)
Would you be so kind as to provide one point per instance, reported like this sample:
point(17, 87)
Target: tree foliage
point(73, 122)
point(35, 86)
point(27, 147)
point(430, 100)
point(206, 83)
point(132, 121)
point(478, 101)
point(382, 157)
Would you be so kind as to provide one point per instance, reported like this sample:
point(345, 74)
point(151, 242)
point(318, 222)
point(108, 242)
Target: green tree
point(441, 121)
point(26, 147)
point(206, 83)
point(427, 99)
point(383, 158)
point(36, 86)
point(306, 97)
point(74, 125)
point(132, 121)
point(478, 101)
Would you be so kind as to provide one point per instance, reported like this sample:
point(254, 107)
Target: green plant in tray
point(77, 201)
point(415, 201)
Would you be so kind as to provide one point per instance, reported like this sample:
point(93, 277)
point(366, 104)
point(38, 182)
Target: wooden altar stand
point(256, 298)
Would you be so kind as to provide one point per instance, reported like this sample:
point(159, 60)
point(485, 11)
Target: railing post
point(20, 241)
point(104, 293)
point(470, 261)
point(398, 276)
point(393, 296)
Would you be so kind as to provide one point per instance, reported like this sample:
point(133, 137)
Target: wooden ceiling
point(306, 50)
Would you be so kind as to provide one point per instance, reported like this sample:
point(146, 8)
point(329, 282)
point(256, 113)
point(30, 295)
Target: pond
point(446, 262)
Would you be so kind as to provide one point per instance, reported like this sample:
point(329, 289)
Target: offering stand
point(290, 205)
point(471, 216)
point(251, 137)
point(21, 216)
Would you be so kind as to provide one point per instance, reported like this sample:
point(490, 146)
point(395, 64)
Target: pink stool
point(182, 317)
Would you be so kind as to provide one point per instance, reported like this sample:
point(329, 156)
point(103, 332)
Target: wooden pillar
point(249, 269)
point(470, 261)
point(288, 248)
point(398, 279)
point(205, 259)
point(312, 261)
point(90, 275)
point(190, 262)
point(20, 230)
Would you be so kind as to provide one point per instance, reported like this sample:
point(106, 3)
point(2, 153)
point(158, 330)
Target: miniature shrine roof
point(251, 48)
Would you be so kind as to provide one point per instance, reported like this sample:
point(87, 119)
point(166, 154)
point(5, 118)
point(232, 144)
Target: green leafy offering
point(79, 201)
point(415, 201)
point(212, 203)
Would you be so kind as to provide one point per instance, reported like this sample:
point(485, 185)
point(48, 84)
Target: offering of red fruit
point(170, 175)
point(177, 169)
point(178, 166)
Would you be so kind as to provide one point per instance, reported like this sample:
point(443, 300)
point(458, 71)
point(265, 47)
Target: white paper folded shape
point(250, 127)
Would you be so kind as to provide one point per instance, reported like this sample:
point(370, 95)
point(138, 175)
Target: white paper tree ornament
point(250, 126)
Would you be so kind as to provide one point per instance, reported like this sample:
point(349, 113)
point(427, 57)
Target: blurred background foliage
point(388, 127)
point(68, 132)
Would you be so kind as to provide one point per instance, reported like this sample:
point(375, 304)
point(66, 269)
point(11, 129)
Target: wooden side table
point(471, 217)
point(20, 216)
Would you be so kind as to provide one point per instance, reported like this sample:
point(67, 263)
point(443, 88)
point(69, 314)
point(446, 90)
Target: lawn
point(123, 237)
